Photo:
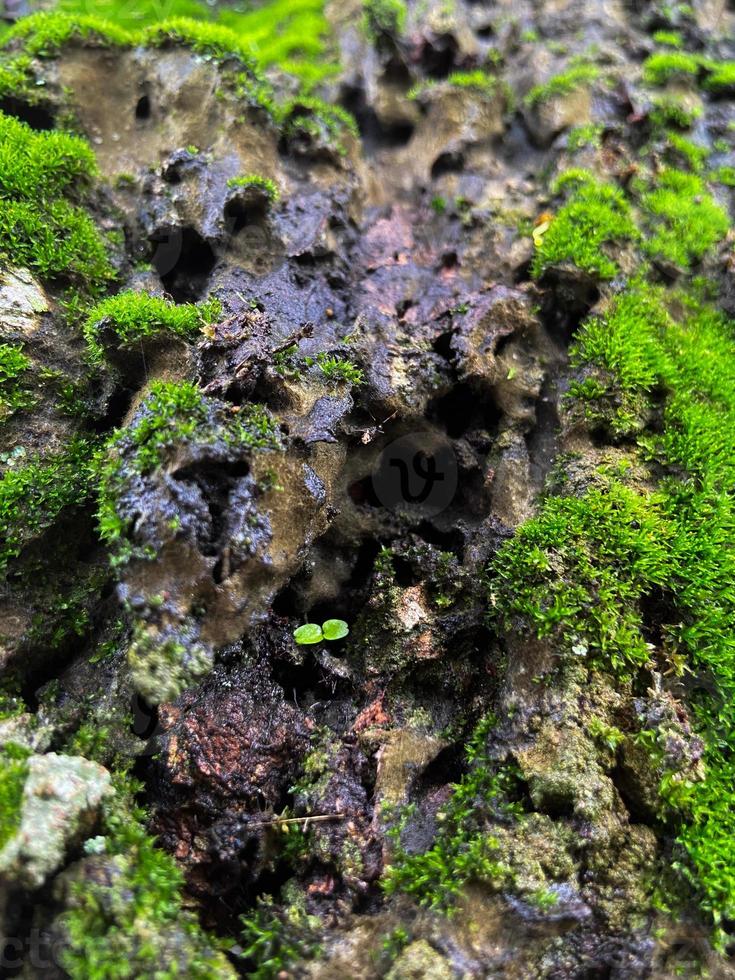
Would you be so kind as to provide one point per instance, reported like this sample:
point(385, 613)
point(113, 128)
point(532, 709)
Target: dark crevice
point(450, 162)
point(442, 345)
point(240, 215)
point(36, 116)
point(448, 540)
point(376, 134)
point(143, 108)
point(466, 407)
point(183, 260)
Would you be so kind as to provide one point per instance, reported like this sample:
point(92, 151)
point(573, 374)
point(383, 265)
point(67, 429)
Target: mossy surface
point(465, 848)
point(292, 35)
point(13, 773)
point(129, 920)
point(33, 495)
point(576, 77)
point(264, 185)
point(14, 367)
point(663, 66)
point(132, 317)
point(596, 214)
point(583, 569)
point(683, 218)
point(43, 176)
point(174, 413)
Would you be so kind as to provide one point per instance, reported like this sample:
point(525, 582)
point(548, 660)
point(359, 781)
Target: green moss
point(130, 920)
point(582, 570)
point(588, 135)
point(339, 369)
point(275, 939)
point(721, 77)
point(43, 34)
point(683, 149)
point(13, 773)
point(34, 495)
point(476, 81)
point(671, 39)
point(724, 175)
point(42, 175)
point(465, 848)
point(172, 414)
point(133, 317)
point(14, 367)
point(667, 110)
point(663, 67)
point(597, 214)
point(683, 218)
point(577, 77)
point(263, 184)
point(211, 40)
point(319, 120)
point(162, 668)
point(384, 18)
point(292, 34)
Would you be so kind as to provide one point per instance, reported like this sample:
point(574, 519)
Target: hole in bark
point(239, 215)
point(376, 134)
point(143, 108)
point(183, 260)
point(36, 116)
point(465, 407)
point(447, 163)
point(439, 56)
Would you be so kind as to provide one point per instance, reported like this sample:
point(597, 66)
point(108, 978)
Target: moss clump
point(33, 496)
point(688, 152)
point(132, 317)
point(670, 39)
point(664, 66)
point(43, 34)
point(128, 919)
point(577, 77)
point(42, 175)
point(324, 123)
point(667, 111)
point(480, 82)
point(588, 135)
point(683, 218)
point(274, 940)
point(14, 367)
point(582, 569)
point(721, 77)
point(597, 214)
point(338, 369)
point(13, 774)
point(384, 18)
point(162, 667)
point(264, 185)
point(211, 40)
point(724, 175)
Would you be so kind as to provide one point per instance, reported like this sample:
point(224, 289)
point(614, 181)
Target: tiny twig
point(316, 818)
point(305, 330)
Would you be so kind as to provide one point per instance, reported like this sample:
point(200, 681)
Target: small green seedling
point(332, 629)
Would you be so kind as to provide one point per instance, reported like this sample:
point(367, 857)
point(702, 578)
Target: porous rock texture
point(383, 313)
